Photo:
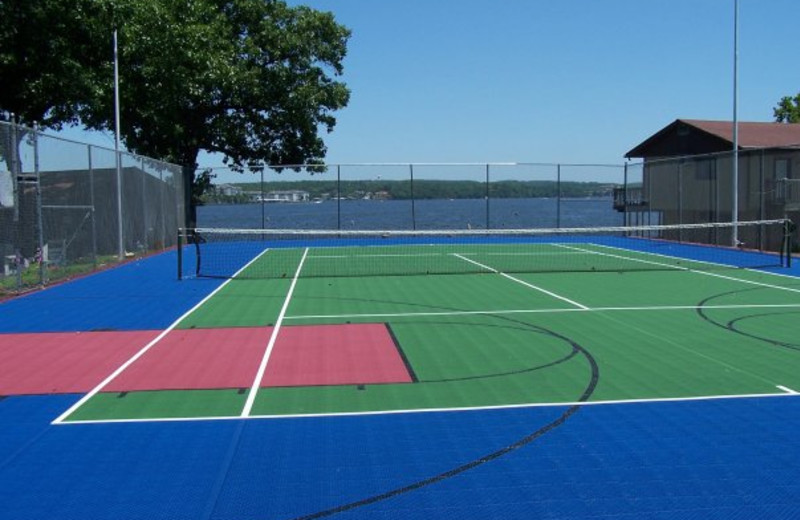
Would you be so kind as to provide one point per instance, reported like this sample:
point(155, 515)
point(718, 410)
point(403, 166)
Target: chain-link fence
point(699, 189)
point(68, 208)
point(414, 196)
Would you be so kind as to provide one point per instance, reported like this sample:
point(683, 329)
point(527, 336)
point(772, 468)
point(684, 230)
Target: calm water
point(422, 214)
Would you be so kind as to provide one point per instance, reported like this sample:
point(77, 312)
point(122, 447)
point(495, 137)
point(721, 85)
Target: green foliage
point(788, 110)
point(51, 52)
point(423, 189)
point(250, 79)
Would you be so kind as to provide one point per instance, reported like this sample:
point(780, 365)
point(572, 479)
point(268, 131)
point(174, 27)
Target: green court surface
point(498, 340)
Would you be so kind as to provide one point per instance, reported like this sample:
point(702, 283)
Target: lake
point(421, 214)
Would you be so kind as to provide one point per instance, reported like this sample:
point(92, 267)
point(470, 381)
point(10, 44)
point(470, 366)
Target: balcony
point(629, 199)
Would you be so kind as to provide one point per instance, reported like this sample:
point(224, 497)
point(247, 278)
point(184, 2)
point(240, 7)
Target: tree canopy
point(49, 58)
point(253, 80)
point(788, 110)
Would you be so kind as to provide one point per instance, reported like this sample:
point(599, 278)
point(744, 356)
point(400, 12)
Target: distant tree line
point(422, 189)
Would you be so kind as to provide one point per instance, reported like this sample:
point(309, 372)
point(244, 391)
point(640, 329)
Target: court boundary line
point(681, 268)
point(262, 367)
point(546, 311)
point(522, 282)
point(94, 391)
point(580, 308)
point(785, 393)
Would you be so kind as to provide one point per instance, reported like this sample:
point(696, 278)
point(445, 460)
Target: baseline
point(782, 393)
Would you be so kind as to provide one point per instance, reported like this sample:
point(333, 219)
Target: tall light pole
point(121, 242)
point(735, 180)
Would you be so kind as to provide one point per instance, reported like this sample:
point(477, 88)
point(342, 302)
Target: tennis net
point(270, 253)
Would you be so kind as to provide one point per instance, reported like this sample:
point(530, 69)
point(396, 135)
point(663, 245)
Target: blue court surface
point(705, 457)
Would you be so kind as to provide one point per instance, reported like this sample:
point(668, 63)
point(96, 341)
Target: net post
point(180, 254)
point(788, 228)
point(198, 259)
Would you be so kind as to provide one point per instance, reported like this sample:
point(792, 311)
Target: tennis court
point(416, 375)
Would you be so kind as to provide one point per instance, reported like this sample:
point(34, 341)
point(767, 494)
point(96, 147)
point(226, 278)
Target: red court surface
point(64, 362)
point(312, 355)
point(197, 359)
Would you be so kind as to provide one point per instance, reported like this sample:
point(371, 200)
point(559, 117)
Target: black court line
point(406, 362)
point(573, 352)
point(732, 324)
point(569, 412)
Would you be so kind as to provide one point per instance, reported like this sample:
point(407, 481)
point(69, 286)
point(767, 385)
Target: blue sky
point(572, 81)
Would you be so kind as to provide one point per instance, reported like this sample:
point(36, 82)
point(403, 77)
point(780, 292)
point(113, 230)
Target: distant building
point(287, 196)
point(228, 190)
point(687, 176)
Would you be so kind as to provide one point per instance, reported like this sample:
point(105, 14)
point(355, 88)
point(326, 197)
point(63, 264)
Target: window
point(782, 169)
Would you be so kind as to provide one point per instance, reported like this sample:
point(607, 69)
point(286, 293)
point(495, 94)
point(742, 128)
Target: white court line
point(522, 282)
point(423, 255)
point(387, 255)
point(150, 345)
point(787, 390)
point(543, 311)
point(441, 410)
point(678, 267)
point(251, 397)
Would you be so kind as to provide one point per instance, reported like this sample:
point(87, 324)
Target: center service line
point(522, 282)
point(251, 397)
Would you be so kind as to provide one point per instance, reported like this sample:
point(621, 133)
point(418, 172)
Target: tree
point(253, 80)
point(788, 110)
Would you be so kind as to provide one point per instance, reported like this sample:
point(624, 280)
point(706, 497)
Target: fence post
point(413, 200)
point(91, 200)
point(15, 180)
point(39, 220)
point(120, 238)
point(558, 195)
point(487, 196)
point(261, 199)
point(180, 254)
point(145, 229)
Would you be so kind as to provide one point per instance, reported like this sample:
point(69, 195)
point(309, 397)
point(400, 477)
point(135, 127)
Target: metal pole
point(680, 199)
point(162, 209)
point(39, 219)
point(625, 220)
point(261, 189)
point(487, 196)
point(16, 171)
point(413, 206)
point(338, 196)
point(180, 254)
point(91, 199)
point(145, 229)
point(735, 187)
point(762, 199)
point(120, 242)
point(558, 195)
